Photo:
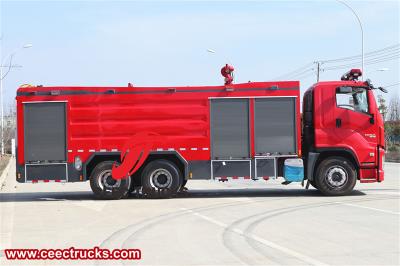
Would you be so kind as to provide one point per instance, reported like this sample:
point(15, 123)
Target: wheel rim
point(336, 177)
point(106, 181)
point(161, 178)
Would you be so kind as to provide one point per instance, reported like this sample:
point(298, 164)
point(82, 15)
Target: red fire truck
point(155, 139)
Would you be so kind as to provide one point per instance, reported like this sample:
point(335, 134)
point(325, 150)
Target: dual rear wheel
point(159, 179)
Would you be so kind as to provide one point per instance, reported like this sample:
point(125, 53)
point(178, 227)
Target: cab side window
point(352, 98)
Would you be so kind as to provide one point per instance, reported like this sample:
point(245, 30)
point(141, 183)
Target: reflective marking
point(226, 178)
point(205, 149)
point(171, 149)
point(80, 150)
point(182, 149)
point(115, 150)
point(103, 150)
point(69, 150)
point(368, 208)
point(263, 241)
point(160, 149)
point(92, 150)
point(193, 149)
point(46, 181)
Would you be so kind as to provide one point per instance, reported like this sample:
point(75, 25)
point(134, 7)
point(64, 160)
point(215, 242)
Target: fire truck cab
point(343, 133)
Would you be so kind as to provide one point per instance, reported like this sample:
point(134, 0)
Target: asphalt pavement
point(214, 223)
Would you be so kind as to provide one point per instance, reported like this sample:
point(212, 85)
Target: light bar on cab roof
point(353, 74)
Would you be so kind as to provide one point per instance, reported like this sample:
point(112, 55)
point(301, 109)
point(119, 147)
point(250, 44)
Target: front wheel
point(104, 186)
point(336, 176)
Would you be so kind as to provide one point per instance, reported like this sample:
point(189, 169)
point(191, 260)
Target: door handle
point(338, 122)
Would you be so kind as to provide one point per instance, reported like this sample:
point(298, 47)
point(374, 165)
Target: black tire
point(136, 183)
point(312, 183)
point(104, 186)
point(336, 176)
point(184, 182)
point(161, 179)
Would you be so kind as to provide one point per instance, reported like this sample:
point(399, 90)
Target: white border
point(234, 160)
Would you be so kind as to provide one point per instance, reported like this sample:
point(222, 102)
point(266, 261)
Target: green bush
point(393, 148)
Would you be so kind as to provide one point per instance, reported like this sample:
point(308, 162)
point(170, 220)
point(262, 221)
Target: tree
point(9, 127)
point(382, 106)
point(394, 109)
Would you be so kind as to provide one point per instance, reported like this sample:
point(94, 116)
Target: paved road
point(232, 223)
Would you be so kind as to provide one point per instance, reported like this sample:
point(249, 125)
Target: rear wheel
point(104, 186)
point(336, 176)
point(161, 179)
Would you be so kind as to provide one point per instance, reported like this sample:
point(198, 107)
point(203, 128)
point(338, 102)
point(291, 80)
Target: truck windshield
point(352, 98)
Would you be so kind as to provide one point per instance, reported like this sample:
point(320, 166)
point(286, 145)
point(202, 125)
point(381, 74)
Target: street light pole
point(362, 34)
point(2, 76)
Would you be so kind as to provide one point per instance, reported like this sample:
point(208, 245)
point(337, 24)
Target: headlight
point(78, 163)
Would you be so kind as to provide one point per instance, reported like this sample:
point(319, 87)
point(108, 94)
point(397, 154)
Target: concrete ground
point(231, 223)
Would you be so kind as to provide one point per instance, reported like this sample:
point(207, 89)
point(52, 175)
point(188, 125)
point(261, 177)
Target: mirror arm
point(372, 119)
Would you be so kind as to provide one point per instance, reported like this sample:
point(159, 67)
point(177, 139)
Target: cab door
point(354, 122)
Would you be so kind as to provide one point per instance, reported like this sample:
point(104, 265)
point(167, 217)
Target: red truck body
point(210, 132)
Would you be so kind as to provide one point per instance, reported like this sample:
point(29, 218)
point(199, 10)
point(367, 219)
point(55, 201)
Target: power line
point(375, 58)
point(391, 48)
point(305, 76)
point(371, 62)
point(302, 73)
point(381, 55)
point(391, 85)
point(294, 72)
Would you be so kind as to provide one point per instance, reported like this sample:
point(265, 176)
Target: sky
point(164, 43)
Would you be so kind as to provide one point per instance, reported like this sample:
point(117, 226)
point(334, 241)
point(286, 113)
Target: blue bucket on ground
point(293, 170)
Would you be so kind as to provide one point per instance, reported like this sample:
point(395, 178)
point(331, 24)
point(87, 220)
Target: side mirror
point(383, 89)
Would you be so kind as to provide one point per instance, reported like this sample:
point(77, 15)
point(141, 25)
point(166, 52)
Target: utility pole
point(318, 63)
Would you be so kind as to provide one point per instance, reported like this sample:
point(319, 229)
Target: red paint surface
point(181, 119)
point(109, 121)
point(356, 133)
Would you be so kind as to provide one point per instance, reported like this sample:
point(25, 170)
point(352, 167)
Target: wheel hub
point(161, 178)
point(336, 176)
point(106, 180)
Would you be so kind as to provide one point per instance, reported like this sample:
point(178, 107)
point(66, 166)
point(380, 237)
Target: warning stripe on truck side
point(46, 181)
point(157, 149)
point(226, 178)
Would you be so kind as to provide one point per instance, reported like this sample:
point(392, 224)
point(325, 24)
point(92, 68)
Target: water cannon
point(353, 74)
point(227, 73)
